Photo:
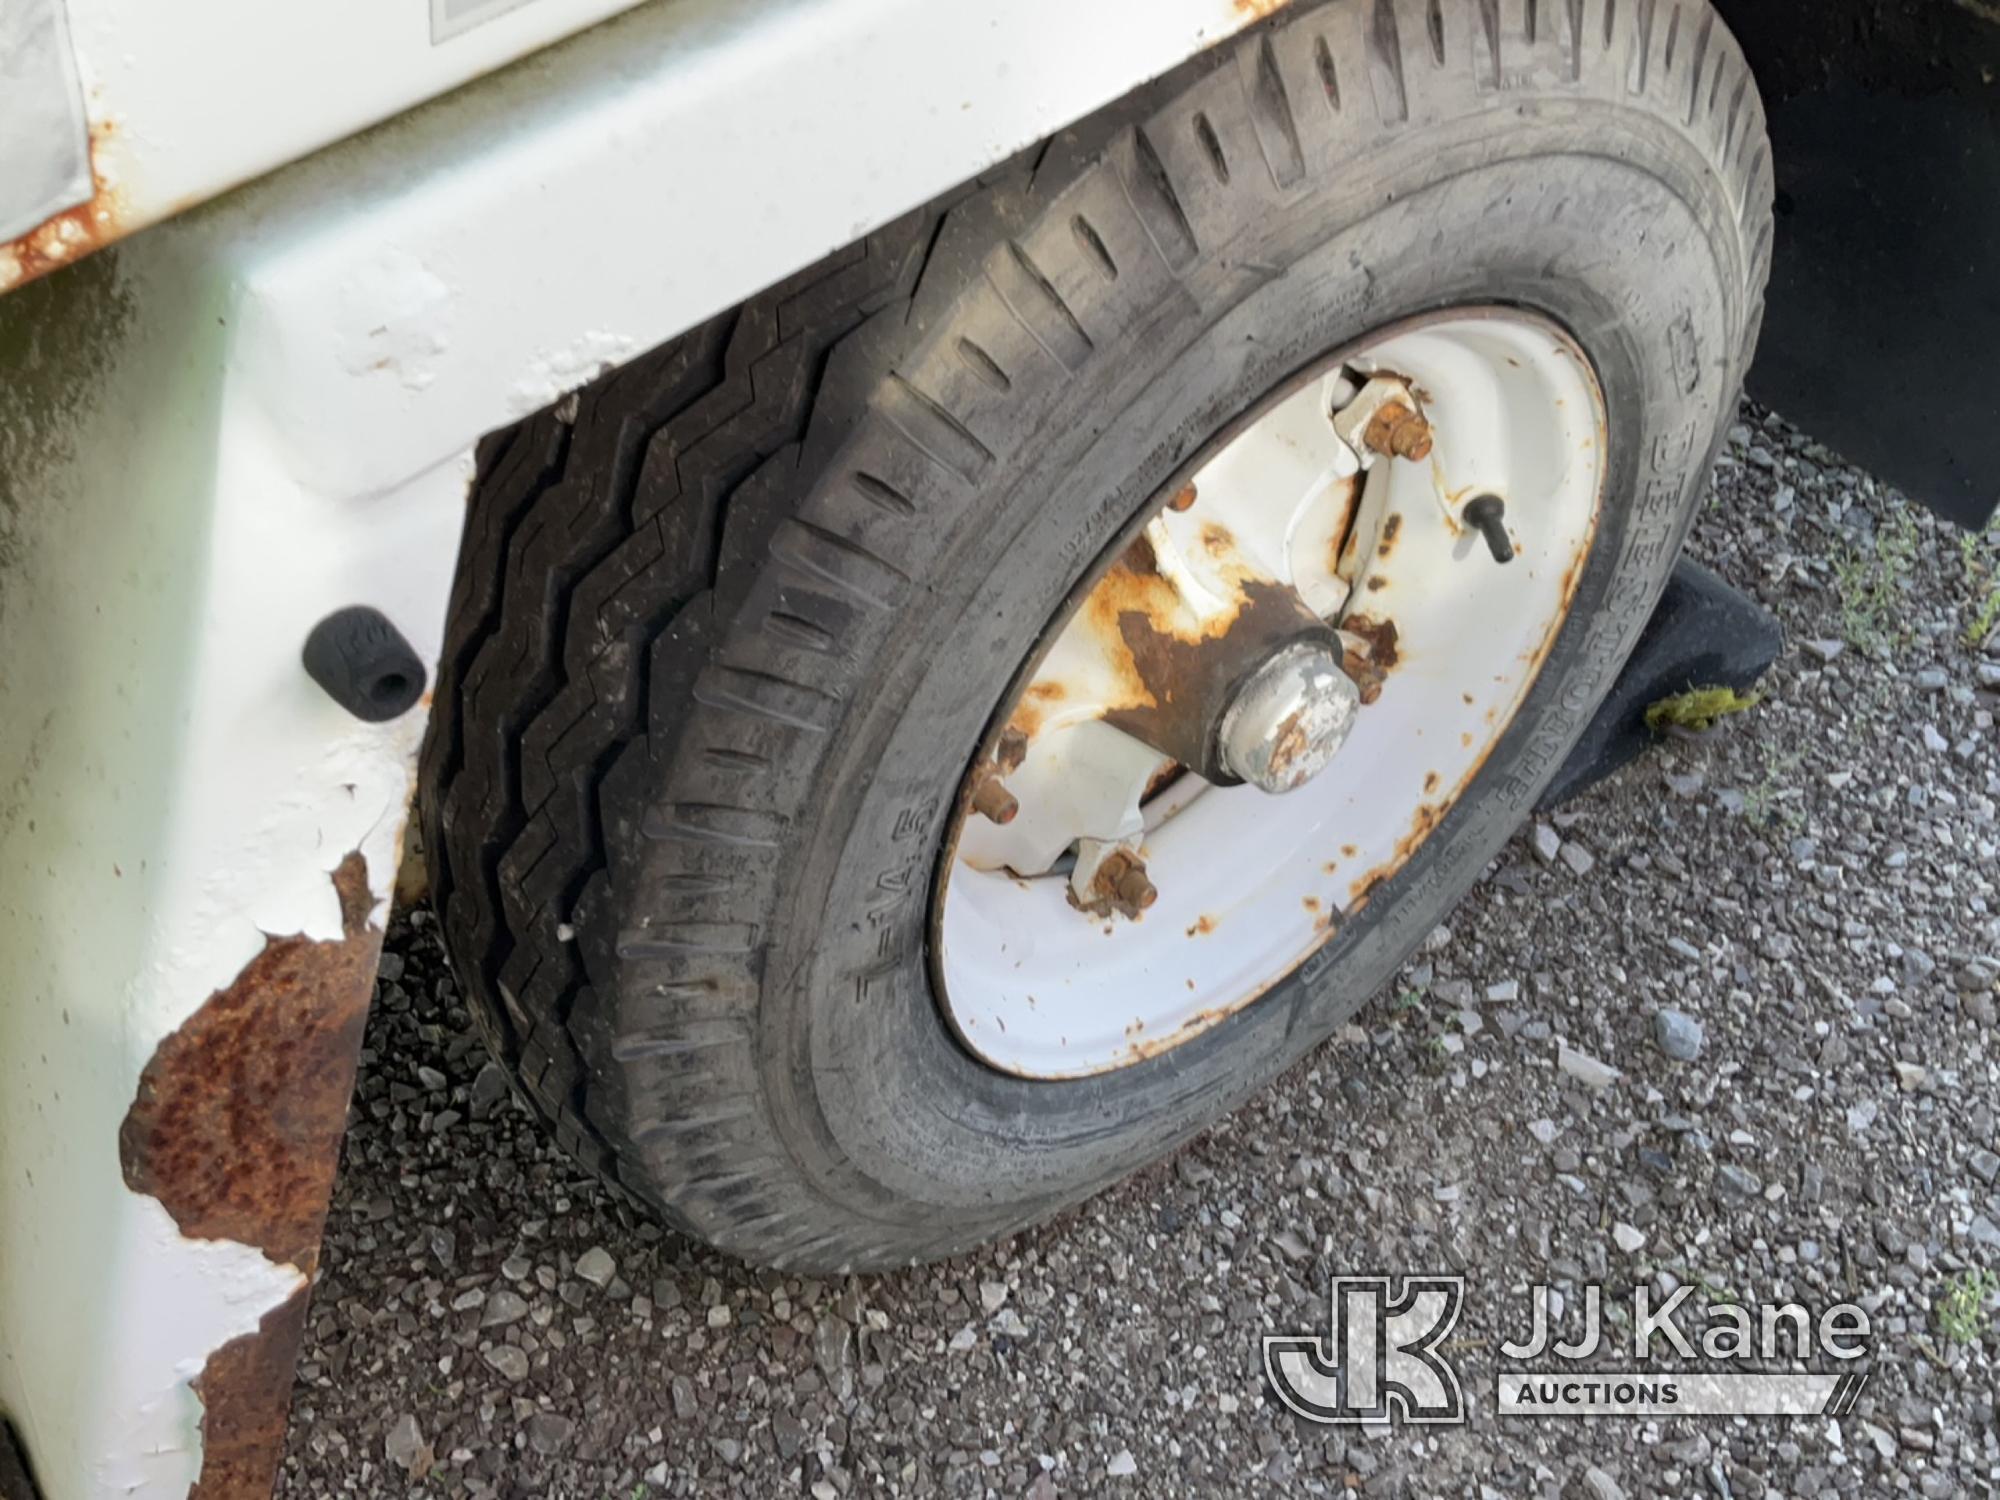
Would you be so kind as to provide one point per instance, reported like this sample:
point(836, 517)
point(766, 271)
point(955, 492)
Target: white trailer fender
point(232, 425)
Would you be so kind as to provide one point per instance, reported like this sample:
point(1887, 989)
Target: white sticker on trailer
point(44, 137)
point(450, 18)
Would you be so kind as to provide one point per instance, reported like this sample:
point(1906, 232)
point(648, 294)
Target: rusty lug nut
point(994, 802)
point(1135, 890)
point(1399, 432)
point(1489, 514)
point(1184, 500)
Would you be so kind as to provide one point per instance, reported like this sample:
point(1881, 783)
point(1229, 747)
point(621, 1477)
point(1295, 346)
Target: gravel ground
point(1810, 896)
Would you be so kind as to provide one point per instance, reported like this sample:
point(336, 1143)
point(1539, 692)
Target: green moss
point(1961, 1309)
point(1980, 553)
point(1698, 709)
point(1872, 585)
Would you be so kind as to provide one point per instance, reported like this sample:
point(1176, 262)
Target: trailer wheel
point(929, 741)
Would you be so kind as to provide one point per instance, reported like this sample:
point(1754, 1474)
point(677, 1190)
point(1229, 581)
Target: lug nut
point(1134, 889)
point(1398, 431)
point(1118, 884)
point(1109, 879)
point(993, 802)
point(1489, 514)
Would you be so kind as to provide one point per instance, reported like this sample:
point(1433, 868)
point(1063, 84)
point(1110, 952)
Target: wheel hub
point(1263, 702)
point(1288, 719)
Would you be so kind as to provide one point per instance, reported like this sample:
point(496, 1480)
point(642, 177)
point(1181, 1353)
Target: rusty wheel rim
point(1423, 500)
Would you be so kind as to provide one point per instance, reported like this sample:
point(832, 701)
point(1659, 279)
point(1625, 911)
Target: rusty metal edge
point(236, 1128)
point(246, 1397)
point(67, 237)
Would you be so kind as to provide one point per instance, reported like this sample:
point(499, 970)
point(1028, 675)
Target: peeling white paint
point(189, 1295)
point(393, 315)
point(179, 792)
point(552, 373)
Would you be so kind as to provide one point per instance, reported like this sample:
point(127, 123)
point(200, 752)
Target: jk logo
point(1378, 1360)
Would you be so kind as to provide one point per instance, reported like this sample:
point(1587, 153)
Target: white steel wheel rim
point(1250, 884)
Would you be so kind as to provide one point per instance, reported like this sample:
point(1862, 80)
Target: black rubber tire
point(729, 624)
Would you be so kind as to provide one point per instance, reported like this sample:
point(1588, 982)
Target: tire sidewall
point(1604, 224)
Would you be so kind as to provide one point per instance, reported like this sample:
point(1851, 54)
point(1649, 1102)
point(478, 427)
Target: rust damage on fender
point(71, 234)
point(246, 1396)
point(236, 1130)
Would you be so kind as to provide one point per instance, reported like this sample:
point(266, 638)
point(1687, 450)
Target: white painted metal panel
point(264, 411)
point(195, 97)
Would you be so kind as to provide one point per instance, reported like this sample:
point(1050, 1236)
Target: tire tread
point(590, 669)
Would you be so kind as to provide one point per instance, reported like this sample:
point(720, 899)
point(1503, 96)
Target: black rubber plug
point(364, 664)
